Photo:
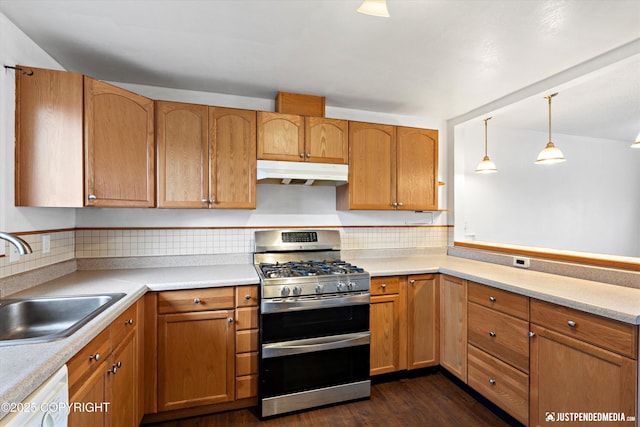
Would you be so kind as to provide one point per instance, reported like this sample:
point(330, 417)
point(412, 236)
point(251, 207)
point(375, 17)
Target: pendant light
point(486, 165)
point(637, 143)
point(374, 8)
point(551, 154)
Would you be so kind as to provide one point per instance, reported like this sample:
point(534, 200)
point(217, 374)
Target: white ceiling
point(431, 58)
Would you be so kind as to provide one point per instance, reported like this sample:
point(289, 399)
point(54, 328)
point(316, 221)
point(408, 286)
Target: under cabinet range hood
point(302, 173)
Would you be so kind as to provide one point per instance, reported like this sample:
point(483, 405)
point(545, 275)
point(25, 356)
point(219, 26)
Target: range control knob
point(319, 289)
point(341, 287)
point(352, 286)
point(285, 291)
point(297, 290)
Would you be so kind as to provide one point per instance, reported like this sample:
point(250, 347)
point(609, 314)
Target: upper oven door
point(302, 324)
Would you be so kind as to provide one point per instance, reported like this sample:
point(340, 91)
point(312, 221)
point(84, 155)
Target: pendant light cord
point(485, 135)
point(549, 98)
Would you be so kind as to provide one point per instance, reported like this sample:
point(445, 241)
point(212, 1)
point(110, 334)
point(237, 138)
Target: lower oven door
point(306, 373)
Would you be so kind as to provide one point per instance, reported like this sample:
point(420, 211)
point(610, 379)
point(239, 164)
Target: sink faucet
point(23, 247)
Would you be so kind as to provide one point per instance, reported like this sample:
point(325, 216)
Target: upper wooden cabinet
point(390, 168)
point(295, 138)
point(58, 116)
point(119, 147)
point(206, 156)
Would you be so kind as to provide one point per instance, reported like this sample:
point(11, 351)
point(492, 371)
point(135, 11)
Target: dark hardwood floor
point(428, 400)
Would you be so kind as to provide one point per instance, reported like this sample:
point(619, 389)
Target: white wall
point(590, 203)
point(17, 48)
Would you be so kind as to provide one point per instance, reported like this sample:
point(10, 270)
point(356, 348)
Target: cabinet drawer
point(247, 296)
point(503, 336)
point(385, 285)
point(84, 362)
point(246, 363)
point(606, 333)
point(497, 299)
point(190, 300)
point(124, 323)
point(500, 383)
point(246, 386)
point(247, 341)
point(246, 318)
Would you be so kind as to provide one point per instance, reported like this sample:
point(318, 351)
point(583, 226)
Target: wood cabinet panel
point(247, 296)
point(246, 386)
point(92, 389)
point(326, 140)
point(569, 375)
point(499, 334)
point(246, 318)
point(119, 147)
point(182, 135)
point(385, 285)
point(195, 359)
point(417, 169)
point(499, 382)
point(497, 299)
point(232, 158)
point(386, 334)
point(121, 384)
point(280, 136)
point(423, 306)
point(247, 341)
point(453, 325)
point(192, 300)
point(87, 360)
point(49, 139)
point(246, 363)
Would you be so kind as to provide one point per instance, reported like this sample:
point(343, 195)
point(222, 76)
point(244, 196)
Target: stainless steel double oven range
point(314, 322)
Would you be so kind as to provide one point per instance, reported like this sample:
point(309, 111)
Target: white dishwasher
point(47, 406)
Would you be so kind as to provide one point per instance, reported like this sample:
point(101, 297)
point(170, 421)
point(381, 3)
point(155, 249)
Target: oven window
point(294, 325)
point(290, 374)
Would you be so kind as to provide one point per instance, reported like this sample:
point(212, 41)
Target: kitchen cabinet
point(423, 308)
point(581, 363)
point(196, 347)
point(119, 157)
point(387, 325)
point(206, 156)
point(82, 142)
point(290, 137)
point(246, 341)
point(390, 168)
point(498, 348)
point(108, 369)
point(453, 325)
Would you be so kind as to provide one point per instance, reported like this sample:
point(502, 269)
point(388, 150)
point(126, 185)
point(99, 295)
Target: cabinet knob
point(492, 334)
point(571, 324)
point(230, 320)
point(492, 381)
point(400, 204)
point(394, 204)
point(113, 370)
point(413, 282)
point(308, 155)
point(302, 155)
point(212, 201)
point(532, 334)
point(204, 201)
point(95, 357)
point(247, 297)
point(118, 365)
point(383, 286)
point(492, 299)
point(128, 322)
point(196, 300)
point(92, 197)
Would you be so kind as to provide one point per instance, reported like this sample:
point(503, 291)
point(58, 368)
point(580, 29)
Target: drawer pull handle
point(196, 300)
point(571, 324)
point(95, 357)
point(128, 322)
point(492, 299)
point(492, 334)
point(492, 381)
point(383, 286)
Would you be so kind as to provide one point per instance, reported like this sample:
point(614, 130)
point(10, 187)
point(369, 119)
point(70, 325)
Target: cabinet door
point(182, 135)
point(119, 147)
point(326, 140)
point(453, 325)
point(92, 391)
point(417, 169)
point(121, 384)
point(386, 329)
point(280, 137)
point(372, 174)
point(568, 375)
point(196, 359)
point(232, 158)
point(422, 321)
point(48, 150)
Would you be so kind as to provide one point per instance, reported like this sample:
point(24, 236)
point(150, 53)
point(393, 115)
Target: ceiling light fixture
point(551, 154)
point(486, 165)
point(637, 143)
point(374, 8)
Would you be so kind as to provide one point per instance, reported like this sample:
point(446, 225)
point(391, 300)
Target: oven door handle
point(309, 304)
point(310, 345)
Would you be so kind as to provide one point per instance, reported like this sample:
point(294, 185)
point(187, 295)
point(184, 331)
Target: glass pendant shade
point(486, 165)
point(637, 143)
point(550, 154)
point(374, 8)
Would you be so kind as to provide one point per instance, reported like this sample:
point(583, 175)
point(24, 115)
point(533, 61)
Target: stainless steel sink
point(31, 320)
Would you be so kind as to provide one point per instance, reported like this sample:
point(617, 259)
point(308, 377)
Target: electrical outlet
point(46, 243)
point(521, 262)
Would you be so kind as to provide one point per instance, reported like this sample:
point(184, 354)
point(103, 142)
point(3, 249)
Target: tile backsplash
point(112, 243)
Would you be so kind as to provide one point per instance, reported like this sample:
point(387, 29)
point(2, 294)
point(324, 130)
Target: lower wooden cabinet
point(453, 325)
point(423, 308)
